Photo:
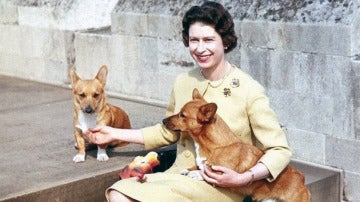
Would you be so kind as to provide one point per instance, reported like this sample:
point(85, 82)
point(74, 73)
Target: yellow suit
point(243, 105)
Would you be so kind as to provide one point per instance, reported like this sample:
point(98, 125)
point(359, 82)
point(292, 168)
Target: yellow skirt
point(172, 187)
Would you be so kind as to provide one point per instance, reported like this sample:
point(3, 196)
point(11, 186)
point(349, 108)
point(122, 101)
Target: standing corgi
point(91, 109)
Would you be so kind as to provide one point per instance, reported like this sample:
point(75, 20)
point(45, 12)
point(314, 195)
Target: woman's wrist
point(246, 178)
point(258, 172)
point(127, 135)
point(112, 133)
point(252, 176)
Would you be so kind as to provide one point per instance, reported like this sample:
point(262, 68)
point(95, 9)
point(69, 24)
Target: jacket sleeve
point(266, 128)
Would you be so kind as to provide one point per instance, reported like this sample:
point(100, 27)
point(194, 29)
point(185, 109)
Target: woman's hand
point(100, 135)
point(225, 177)
point(106, 134)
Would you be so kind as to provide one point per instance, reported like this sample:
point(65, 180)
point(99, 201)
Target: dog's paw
point(79, 158)
point(195, 174)
point(184, 172)
point(82, 128)
point(101, 155)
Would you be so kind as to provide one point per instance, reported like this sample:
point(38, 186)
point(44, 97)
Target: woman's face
point(205, 45)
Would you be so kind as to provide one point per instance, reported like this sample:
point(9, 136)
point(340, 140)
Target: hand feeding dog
point(91, 109)
point(219, 146)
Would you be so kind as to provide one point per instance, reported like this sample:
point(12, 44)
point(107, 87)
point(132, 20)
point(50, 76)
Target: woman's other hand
point(225, 177)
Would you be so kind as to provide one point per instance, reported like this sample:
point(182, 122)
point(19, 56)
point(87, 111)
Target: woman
point(208, 31)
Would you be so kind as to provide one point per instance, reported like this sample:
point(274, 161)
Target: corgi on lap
point(216, 144)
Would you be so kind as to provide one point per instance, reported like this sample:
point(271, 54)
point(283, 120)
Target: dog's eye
point(96, 95)
point(182, 115)
point(82, 95)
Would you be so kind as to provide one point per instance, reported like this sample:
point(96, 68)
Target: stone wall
point(306, 53)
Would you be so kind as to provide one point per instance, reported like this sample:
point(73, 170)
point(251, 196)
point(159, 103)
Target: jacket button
point(187, 154)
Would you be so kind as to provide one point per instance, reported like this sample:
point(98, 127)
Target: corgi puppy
point(91, 109)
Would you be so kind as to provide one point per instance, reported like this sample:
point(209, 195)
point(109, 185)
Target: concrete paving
point(37, 147)
point(37, 142)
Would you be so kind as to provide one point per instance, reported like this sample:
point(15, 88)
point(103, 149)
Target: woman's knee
point(115, 196)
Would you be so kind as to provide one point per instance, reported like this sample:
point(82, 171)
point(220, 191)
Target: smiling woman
point(208, 32)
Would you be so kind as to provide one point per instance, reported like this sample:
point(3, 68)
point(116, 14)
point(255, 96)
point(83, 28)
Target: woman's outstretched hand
point(100, 135)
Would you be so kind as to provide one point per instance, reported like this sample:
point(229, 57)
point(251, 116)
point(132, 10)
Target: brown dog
point(91, 109)
point(219, 146)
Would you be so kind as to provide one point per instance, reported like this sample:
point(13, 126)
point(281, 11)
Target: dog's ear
point(207, 112)
point(102, 75)
point(196, 94)
point(73, 76)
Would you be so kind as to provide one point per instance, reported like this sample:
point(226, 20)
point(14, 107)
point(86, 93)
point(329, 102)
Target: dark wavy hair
point(214, 14)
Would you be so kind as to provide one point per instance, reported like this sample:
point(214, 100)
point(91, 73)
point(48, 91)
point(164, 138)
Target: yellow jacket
point(242, 104)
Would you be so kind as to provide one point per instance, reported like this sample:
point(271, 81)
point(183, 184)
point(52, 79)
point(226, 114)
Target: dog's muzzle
point(89, 109)
point(165, 121)
point(170, 125)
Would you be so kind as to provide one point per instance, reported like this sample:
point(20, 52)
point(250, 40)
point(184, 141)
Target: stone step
point(324, 184)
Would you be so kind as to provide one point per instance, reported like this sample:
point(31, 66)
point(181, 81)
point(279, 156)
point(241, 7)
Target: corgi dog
point(216, 144)
point(91, 109)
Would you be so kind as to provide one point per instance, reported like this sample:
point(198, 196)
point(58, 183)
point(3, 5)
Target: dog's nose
point(165, 121)
point(88, 109)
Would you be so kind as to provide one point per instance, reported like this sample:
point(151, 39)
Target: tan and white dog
point(216, 144)
point(91, 109)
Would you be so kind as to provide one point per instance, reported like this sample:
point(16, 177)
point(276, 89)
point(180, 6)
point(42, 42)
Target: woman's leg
point(115, 196)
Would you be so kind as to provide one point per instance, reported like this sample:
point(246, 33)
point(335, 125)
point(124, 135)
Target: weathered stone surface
point(68, 14)
point(301, 11)
point(351, 186)
point(150, 25)
point(313, 143)
point(338, 149)
point(312, 38)
point(8, 14)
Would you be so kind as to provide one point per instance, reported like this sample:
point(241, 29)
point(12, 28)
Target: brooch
point(235, 83)
point(227, 92)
